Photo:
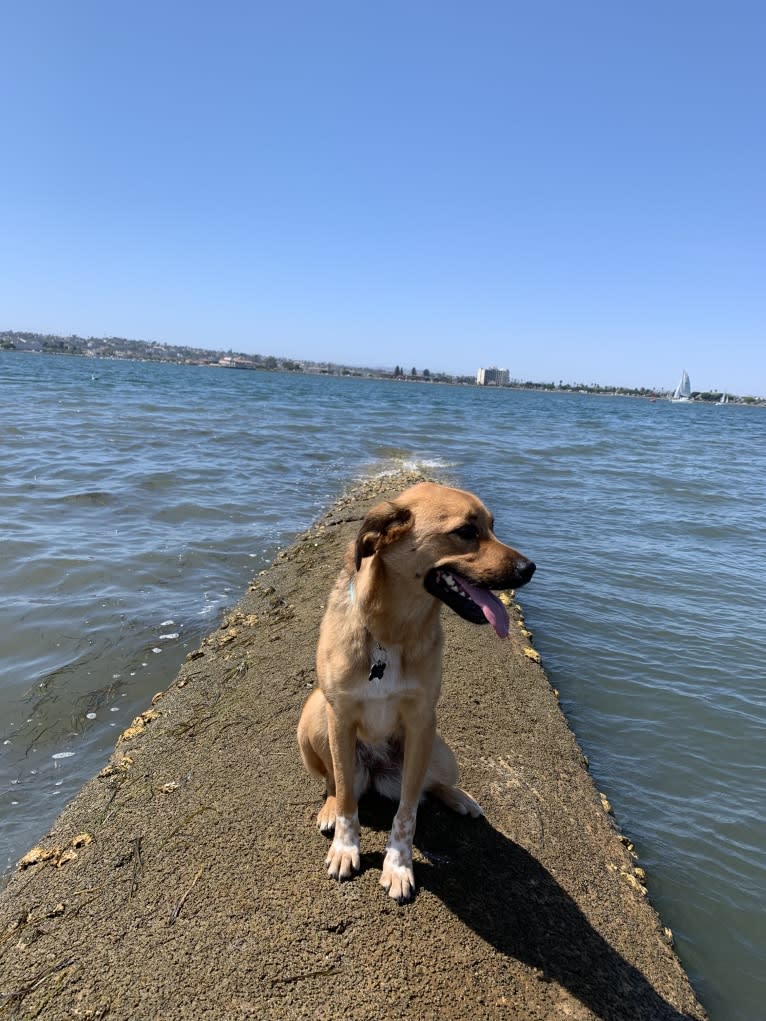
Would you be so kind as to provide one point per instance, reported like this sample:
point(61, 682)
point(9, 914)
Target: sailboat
point(724, 398)
point(683, 392)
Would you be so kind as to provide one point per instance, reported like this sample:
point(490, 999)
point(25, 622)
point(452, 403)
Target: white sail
point(683, 392)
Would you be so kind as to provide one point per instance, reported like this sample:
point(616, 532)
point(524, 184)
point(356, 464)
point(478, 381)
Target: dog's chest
point(382, 697)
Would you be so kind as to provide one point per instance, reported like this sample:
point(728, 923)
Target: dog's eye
point(467, 532)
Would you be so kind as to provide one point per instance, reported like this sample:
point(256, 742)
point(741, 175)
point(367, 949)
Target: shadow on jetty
point(506, 896)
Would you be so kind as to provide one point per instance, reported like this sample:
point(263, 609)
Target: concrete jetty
point(185, 880)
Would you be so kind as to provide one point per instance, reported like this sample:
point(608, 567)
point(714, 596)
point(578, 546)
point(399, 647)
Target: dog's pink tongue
point(491, 607)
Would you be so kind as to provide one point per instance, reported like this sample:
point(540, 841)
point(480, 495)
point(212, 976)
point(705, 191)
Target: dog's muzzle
point(473, 602)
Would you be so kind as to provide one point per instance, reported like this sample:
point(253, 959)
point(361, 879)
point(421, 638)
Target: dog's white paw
point(398, 878)
point(343, 857)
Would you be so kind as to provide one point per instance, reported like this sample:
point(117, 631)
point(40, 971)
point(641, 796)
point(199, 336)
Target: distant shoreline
point(122, 349)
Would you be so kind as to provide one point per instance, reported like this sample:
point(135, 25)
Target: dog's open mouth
point(472, 602)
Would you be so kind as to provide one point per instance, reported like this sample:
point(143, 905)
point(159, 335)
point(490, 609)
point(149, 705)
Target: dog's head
point(441, 540)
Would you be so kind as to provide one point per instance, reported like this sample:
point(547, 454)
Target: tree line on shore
point(143, 350)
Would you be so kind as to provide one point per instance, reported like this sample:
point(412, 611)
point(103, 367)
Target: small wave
point(428, 464)
point(389, 453)
point(407, 463)
point(93, 498)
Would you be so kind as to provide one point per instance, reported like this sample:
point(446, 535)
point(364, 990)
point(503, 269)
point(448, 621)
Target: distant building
point(493, 377)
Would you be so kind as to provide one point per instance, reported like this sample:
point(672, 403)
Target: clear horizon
point(569, 193)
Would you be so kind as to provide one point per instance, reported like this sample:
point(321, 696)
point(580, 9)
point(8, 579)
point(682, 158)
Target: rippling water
point(138, 500)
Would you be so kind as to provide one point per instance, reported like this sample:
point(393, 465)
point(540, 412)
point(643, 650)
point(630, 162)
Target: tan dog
point(371, 721)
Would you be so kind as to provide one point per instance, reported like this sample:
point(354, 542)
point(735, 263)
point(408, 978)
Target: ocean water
point(137, 501)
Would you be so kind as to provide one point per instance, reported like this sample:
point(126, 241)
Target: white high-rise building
point(493, 377)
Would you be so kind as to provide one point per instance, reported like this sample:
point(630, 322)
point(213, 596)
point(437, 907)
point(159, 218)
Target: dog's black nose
point(526, 569)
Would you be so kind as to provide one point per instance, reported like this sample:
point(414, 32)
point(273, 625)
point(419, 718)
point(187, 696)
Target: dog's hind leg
point(314, 745)
point(441, 781)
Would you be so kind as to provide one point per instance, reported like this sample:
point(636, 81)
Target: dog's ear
point(384, 524)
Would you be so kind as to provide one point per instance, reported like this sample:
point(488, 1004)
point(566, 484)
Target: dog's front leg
point(398, 876)
point(343, 856)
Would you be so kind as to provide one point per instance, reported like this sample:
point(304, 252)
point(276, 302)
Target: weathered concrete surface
point(187, 879)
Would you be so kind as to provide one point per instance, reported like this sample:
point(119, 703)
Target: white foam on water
point(398, 464)
point(172, 634)
point(62, 755)
point(431, 463)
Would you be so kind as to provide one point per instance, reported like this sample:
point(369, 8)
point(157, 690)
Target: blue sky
point(573, 191)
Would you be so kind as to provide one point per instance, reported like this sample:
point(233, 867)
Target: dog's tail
point(456, 799)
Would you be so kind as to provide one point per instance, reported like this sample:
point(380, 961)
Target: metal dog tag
point(378, 665)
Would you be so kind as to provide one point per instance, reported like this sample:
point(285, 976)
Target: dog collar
point(378, 662)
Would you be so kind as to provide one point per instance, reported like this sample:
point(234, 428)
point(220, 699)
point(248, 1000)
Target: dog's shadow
point(509, 899)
